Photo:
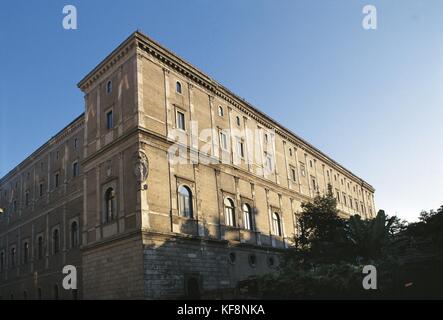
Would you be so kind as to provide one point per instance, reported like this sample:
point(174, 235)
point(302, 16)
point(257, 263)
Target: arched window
point(247, 216)
point(238, 121)
point(25, 252)
point(56, 241)
point(110, 212)
point(185, 202)
point(178, 87)
point(40, 247)
point(220, 111)
point(74, 234)
point(109, 87)
point(230, 212)
point(276, 224)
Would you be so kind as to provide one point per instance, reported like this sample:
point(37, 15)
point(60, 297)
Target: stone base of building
point(167, 266)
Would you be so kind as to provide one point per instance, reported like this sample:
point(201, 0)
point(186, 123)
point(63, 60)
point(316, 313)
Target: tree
point(319, 223)
point(368, 237)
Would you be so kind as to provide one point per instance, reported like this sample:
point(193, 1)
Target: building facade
point(168, 186)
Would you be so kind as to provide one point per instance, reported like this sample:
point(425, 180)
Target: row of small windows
point(252, 259)
point(55, 242)
point(75, 173)
point(223, 140)
point(41, 187)
point(221, 113)
point(351, 203)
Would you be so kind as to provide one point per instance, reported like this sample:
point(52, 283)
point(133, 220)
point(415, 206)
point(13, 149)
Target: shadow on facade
point(191, 264)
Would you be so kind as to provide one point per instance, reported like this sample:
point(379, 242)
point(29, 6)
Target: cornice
point(111, 60)
point(75, 125)
point(179, 65)
point(145, 45)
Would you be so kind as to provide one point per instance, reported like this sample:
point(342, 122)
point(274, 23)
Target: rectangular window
point(350, 202)
point(338, 196)
point(302, 169)
point(240, 148)
point(41, 190)
point(75, 169)
point(180, 120)
point(109, 120)
point(314, 184)
point(269, 162)
point(56, 180)
point(293, 175)
point(344, 199)
point(223, 140)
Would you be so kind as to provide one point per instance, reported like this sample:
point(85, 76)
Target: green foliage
point(330, 253)
point(429, 228)
point(368, 237)
point(319, 223)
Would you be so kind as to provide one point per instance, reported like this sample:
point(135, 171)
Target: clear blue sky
point(372, 100)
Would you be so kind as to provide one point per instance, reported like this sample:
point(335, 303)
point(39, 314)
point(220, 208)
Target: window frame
point(186, 198)
point(55, 241)
point(229, 209)
point(269, 162)
point(178, 87)
point(302, 169)
point(40, 247)
point(41, 189)
point(109, 119)
point(178, 115)
point(276, 225)
point(109, 86)
point(13, 256)
point(75, 169)
point(110, 215)
point(293, 173)
point(248, 220)
point(240, 147)
point(223, 142)
point(56, 180)
point(26, 248)
point(74, 235)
